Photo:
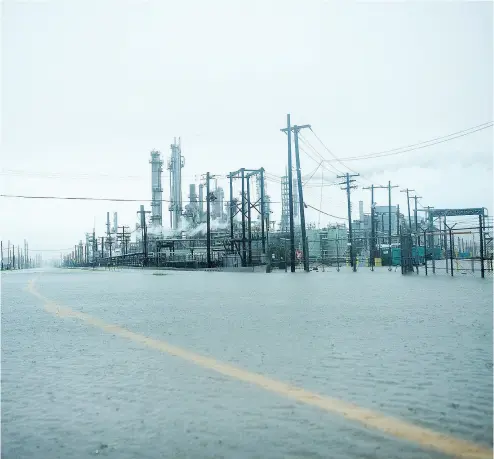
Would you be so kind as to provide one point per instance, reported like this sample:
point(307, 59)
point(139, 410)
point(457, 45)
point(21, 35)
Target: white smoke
point(184, 227)
point(160, 231)
point(202, 227)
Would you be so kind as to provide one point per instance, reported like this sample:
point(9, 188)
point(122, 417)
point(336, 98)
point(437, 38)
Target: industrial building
point(214, 227)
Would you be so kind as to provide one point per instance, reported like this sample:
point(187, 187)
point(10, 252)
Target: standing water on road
point(412, 348)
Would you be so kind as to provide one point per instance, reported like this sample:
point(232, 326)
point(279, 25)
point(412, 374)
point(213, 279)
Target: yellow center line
point(422, 436)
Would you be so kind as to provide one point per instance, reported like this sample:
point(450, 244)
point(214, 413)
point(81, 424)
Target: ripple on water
point(427, 363)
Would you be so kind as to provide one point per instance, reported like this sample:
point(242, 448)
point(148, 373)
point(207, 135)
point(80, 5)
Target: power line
point(324, 165)
point(72, 176)
point(323, 159)
point(331, 153)
point(312, 175)
point(85, 198)
point(337, 159)
point(325, 213)
point(424, 144)
point(50, 250)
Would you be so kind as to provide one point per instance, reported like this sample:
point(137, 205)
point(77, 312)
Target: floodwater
point(412, 347)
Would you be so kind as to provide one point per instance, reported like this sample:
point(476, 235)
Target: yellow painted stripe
point(372, 419)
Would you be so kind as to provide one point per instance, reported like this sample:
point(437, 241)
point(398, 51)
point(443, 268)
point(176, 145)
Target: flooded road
point(412, 348)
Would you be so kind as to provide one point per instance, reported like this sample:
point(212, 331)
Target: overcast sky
point(89, 88)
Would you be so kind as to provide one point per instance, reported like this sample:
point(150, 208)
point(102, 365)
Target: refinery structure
point(208, 225)
point(212, 227)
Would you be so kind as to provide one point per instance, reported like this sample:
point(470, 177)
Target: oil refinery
point(210, 227)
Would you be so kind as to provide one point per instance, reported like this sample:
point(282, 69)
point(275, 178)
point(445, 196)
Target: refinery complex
point(192, 226)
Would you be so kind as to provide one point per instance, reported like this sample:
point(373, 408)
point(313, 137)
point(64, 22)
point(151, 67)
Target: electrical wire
point(85, 198)
point(360, 176)
point(84, 176)
point(331, 153)
point(322, 158)
point(424, 144)
point(312, 175)
point(325, 166)
point(322, 212)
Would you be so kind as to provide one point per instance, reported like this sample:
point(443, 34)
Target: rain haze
point(90, 88)
point(167, 291)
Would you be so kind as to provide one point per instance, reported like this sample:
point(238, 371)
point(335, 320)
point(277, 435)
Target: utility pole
point(124, 238)
point(373, 216)
point(305, 245)
point(407, 191)
point(209, 197)
point(373, 242)
point(288, 131)
point(398, 226)
point(373, 226)
point(143, 213)
point(389, 214)
point(13, 256)
point(244, 253)
point(232, 211)
point(481, 235)
point(451, 246)
point(446, 243)
point(350, 236)
point(1, 250)
point(109, 243)
point(26, 255)
point(249, 222)
point(263, 216)
point(415, 198)
point(95, 246)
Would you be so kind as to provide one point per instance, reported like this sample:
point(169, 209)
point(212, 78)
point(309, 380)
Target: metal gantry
point(244, 207)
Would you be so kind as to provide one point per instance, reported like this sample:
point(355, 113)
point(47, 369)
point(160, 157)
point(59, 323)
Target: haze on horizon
point(91, 87)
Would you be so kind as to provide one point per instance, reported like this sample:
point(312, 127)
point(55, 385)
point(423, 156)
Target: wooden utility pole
point(451, 247)
point(288, 131)
point(143, 213)
point(407, 191)
point(398, 223)
point(415, 198)
point(263, 215)
point(481, 235)
point(123, 237)
point(305, 245)
point(242, 206)
point(373, 226)
point(347, 182)
point(389, 214)
point(209, 198)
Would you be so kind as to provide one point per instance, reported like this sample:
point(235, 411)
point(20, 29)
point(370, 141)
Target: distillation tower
point(175, 165)
point(157, 190)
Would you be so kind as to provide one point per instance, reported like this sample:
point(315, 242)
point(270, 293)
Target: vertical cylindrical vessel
point(156, 188)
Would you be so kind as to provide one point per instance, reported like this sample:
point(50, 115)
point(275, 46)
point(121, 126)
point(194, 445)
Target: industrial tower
point(267, 206)
point(285, 202)
point(175, 164)
point(157, 190)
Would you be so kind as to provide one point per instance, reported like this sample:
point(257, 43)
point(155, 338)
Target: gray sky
point(90, 87)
